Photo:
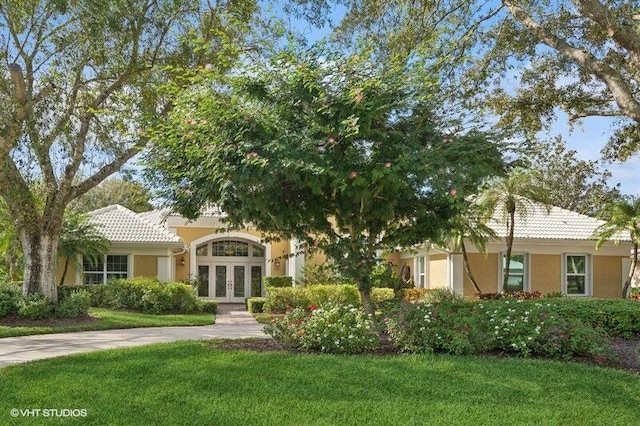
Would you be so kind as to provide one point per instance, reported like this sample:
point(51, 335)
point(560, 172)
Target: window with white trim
point(577, 280)
point(112, 266)
point(518, 272)
point(420, 272)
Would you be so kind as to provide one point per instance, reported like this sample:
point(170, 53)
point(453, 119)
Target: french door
point(230, 282)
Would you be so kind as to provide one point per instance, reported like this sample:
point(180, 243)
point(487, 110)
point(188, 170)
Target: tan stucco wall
point(70, 277)
point(182, 271)
point(145, 266)
point(485, 270)
point(607, 276)
point(438, 269)
point(545, 272)
point(189, 234)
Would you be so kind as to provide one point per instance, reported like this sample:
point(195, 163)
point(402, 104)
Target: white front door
point(230, 283)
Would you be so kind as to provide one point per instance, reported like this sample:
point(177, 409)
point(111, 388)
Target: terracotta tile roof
point(557, 224)
point(121, 225)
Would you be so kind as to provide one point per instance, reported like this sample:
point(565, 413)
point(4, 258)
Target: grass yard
point(106, 319)
point(196, 383)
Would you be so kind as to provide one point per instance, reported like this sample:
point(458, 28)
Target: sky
point(586, 137)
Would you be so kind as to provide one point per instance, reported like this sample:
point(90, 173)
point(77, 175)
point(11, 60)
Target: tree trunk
point(365, 297)
point(510, 229)
point(634, 264)
point(40, 263)
point(467, 267)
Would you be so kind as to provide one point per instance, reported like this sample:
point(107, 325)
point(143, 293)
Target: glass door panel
point(203, 280)
point(221, 281)
point(256, 281)
point(239, 281)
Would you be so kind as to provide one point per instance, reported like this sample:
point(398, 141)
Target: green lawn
point(194, 383)
point(114, 319)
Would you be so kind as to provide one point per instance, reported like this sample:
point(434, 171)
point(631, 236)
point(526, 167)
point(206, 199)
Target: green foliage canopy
point(335, 151)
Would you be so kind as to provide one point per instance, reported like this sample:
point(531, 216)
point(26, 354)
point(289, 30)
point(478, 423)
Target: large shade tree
point(340, 153)
point(83, 80)
point(525, 60)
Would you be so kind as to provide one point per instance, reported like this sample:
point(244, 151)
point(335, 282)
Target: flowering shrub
point(533, 328)
point(538, 329)
point(332, 329)
point(434, 327)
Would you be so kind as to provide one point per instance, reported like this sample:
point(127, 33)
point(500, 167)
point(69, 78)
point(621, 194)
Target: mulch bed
point(626, 356)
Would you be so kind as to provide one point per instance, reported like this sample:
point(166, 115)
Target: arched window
point(230, 248)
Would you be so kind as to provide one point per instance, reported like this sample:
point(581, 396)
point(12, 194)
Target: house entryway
point(230, 270)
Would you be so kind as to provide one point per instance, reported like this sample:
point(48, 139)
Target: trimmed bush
point(618, 317)
point(255, 305)
point(341, 294)
point(277, 281)
point(524, 295)
point(149, 295)
point(97, 293)
point(208, 306)
point(10, 296)
point(333, 329)
point(283, 298)
point(381, 295)
point(279, 299)
point(73, 305)
point(35, 307)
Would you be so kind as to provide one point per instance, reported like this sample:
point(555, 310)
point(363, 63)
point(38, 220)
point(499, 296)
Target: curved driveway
point(232, 322)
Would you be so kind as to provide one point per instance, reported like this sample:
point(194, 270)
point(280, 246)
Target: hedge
point(278, 281)
point(143, 294)
point(278, 300)
point(255, 305)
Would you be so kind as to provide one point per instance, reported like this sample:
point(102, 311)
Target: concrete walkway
point(232, 322)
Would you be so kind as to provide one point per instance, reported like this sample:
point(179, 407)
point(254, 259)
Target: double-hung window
point(420, 272)
point(577, 278)
point(518, 272)
point(108, 268)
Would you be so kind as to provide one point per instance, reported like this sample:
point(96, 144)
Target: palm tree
point(80, 237)
point(516, 192)
point(623, 216)
point(471, 224)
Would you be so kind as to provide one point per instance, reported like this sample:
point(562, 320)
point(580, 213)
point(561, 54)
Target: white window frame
point(105, 274)
point(526, 273)
point(420, 272)
point(588, 281)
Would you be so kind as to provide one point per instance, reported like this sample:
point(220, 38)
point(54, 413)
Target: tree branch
point(619, 88)
point(624, 35)
point(108, 170)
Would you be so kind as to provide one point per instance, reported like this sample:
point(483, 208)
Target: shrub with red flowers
point(331, 329)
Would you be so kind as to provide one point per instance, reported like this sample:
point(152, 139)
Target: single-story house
point(168, 246)
point(554, 251)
